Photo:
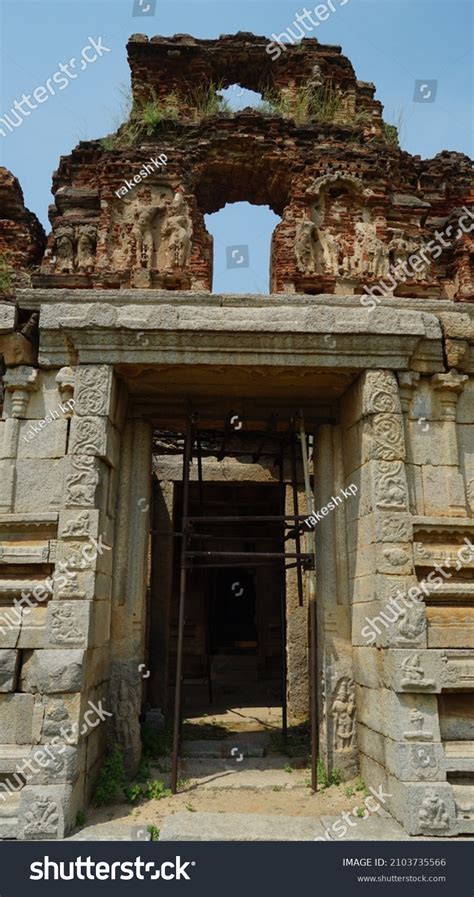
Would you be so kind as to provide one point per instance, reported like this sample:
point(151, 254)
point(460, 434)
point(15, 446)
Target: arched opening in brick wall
point(238, 97)
point(249, 189)
point(242, 236)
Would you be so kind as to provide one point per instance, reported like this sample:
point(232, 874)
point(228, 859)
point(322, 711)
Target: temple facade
point(339, 408)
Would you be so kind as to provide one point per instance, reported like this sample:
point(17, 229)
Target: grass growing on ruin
point(390, 134)
point(112, 781)
point(305, 104)
point(111, 778)
point(207, 100)
point(325, 779)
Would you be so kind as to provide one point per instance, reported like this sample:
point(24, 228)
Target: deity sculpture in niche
point(86, 246)
point(149, 231)
point(344, 241)
point(179, 229)
point(305, 246)
point(64, 255)
point(401, 247)
point(163, 233)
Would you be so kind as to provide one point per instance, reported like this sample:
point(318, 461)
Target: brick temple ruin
point(117, 358)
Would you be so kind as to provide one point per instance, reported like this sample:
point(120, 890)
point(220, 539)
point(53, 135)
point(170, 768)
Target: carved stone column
point(127, 647)
point(18, 383)
point(449, 484)
point(337, 702)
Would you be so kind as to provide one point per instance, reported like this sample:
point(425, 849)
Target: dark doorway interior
point(232, 612)
point(233, 628)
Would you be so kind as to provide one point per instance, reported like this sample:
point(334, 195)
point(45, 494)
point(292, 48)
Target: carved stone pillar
point(447, 389)
point(127, 646)
point(337, 701)
point(18, 384)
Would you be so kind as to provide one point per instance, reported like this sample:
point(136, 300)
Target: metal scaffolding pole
point(294, 486)
point(313, 621)
point(284, 708)
point(182, 596)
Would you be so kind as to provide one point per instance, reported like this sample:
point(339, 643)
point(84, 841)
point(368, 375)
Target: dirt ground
point(297, 802)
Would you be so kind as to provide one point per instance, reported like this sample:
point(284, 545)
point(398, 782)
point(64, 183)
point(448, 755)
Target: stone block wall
point(60, 439)
point(407, 447)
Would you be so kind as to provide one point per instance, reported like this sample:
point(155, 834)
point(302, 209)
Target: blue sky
point(393, 43)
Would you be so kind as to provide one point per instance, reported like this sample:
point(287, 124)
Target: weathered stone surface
point(9, 661)
point(7, 317)
point(47, 812)
point(239, 827)
point(17, 723)
point(415, 762)
point(38, 485)
point(78, 624)
point(53, 671)
point(399, 716)
point(424, 809)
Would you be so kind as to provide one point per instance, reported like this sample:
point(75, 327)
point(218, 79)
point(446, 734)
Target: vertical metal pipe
point(294, 485)
point(182, 596)
point(313, 622)
point(284, 707)
point(205, 597)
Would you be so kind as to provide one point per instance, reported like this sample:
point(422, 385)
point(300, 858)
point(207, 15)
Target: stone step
point(239, 827)
point(251, 774)
point(222, 749)
point(202, 826)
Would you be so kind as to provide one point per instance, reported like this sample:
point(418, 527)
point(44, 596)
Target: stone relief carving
point(179, 230)
point(390, 485)
point(382, 394)
point(70, 589)
point(77, 526)
point(388, 437)
point(320, 246)
point(125, 697)
point(75, 249)
point(343, 713)
point(86, 247)
point(411, 626)
point(56, 720)
point(76, 559)
point(414, 674)
point(92, 390)
point(400, 248)
point(53, 763)
point(163, 231)
point(418, 733)
point(433, 813)
point(64, 249)
point(87, 437)
point(397, 557)
point(470, 495)
point(305, 246)
point(82, 483)
point(370, 255)
point(450, 673)
point(42, 817)
point(424, 761)
point(63, 624)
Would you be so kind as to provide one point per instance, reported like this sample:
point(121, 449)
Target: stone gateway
point(353, 378)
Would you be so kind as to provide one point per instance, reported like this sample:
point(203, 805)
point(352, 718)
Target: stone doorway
point(234, 632)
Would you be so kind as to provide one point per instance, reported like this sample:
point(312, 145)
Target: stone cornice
point(183, 331)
